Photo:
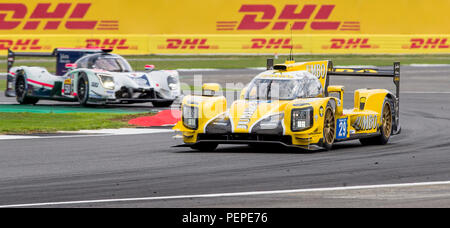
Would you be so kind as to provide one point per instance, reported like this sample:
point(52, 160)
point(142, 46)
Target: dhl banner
point(233, 44)
point(228, 26)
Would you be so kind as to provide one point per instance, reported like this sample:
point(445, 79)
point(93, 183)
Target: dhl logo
point(351, 43)
point(430, 43)
point(274, 43)
point(22, 45)
point(52, 16)
point(187, 44)
point(259, 17)
point(116, 44)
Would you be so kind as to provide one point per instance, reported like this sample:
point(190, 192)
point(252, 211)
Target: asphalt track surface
point(142, 167)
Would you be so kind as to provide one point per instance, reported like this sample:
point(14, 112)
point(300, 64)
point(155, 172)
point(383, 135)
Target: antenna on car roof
point(291, 55)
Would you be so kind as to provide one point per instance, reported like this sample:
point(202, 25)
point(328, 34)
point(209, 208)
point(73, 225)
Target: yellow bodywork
point(243, 115)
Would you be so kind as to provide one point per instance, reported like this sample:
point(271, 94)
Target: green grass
point(236, 61)
point(2, 84)
point(230, 62)
point(27, 123)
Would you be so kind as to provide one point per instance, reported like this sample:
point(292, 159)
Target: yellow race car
point(292, 104)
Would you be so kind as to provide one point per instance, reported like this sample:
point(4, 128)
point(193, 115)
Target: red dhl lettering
point(264, 16)
point(274, 43)
point(188, 44)
point(428, 43)
point(20, 44)
point(49, 16)
point(120, 44)
point(351, 43)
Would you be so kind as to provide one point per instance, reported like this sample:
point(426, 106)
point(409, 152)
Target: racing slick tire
point(162, 104)
point(329, 129)
point(205, 147)
point(21, 93)
point(385, 128)
point(83, 89)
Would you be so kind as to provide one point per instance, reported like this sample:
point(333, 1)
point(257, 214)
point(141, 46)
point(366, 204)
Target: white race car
point(96, 77)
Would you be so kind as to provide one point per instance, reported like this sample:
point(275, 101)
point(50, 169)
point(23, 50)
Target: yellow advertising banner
point(228, 26)
point(234, 44)
point(224, 17)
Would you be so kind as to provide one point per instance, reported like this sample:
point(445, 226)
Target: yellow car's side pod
point(313, 118)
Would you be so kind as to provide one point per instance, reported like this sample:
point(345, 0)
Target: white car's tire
point(83, 89)
point(21, 92)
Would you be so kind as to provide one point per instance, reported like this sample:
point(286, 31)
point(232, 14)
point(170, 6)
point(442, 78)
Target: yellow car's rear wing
point(349, 71)
point(369, 72)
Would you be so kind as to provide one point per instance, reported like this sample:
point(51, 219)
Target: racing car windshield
point(112, 63)
point(279, 89)
point(267, 89)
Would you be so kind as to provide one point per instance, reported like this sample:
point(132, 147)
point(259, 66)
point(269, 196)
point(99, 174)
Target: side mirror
point(340, 91)
point(71, 66)
point(149, 67)
point(210, 89)
point(335, 89)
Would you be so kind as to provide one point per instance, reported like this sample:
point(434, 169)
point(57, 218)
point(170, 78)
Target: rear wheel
point(162, 104)
point(329, 129)
point(205, 147)
point(21, 92)
point(385, 128)
point(83, 89)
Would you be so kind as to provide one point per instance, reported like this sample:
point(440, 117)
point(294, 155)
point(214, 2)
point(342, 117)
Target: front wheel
point(329, 129)
point(21, 92)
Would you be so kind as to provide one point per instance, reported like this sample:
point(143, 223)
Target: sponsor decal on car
point(342, 130)
point(247, 115)
point(365, 123)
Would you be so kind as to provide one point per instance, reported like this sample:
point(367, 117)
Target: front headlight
point(271, 122)
point(190, 117)
point(302, 119)
point(107, 81)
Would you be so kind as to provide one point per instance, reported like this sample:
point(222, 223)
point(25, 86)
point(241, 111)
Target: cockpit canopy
point(272, 88)
point(106, 62)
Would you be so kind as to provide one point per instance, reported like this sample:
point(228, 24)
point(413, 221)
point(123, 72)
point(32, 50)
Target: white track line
point(237, 194)
point(92, 133)
point(428, 65)
point(123, 131)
